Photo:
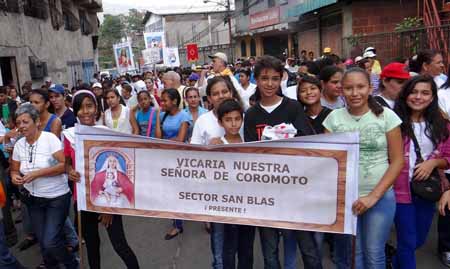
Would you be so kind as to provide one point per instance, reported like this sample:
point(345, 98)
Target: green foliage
point(354, 40)
point(409, 23)
point(407, 33)
point(116, 27)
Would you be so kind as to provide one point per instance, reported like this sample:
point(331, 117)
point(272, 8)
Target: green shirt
point(373, 148)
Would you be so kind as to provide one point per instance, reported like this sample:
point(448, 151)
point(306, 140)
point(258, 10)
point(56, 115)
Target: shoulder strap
point(150, 121)
point(381, 101)
point(419, 158)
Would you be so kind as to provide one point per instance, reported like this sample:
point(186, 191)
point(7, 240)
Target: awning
point(308, 5)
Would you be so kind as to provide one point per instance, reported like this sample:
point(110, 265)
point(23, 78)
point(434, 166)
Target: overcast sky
point(121, 6)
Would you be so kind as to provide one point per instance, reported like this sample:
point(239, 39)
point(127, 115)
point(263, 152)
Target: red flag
point(192, 52)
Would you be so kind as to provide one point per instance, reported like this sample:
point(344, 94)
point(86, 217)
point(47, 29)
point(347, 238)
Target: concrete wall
point(183, 28)
point(22, 36)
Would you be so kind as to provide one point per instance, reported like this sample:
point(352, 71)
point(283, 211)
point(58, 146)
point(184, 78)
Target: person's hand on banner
point(444, 202)
point(363, 204)
point(106, 219)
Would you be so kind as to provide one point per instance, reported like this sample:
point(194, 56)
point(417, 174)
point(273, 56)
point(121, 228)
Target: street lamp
point(227, 5)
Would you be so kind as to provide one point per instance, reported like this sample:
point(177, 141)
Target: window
point(253, 47)
point(85, 26)
point(245, 7)
point(71, 22)
point(35, 9)
point(9, 5)
point(243, 48)
point(270, 3)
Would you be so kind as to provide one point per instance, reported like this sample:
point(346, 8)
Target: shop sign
point(306, 6)
point(264, 18)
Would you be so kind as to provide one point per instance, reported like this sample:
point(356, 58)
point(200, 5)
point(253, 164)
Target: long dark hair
point(173, 94)
point(374, 106)
point(424, 56)
point(435, 123)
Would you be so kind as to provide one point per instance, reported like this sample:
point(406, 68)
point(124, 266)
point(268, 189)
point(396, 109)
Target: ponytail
point(374, 106)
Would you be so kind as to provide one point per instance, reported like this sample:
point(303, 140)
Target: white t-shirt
point(246, 93)
point(205, 128)
point(291, 92)
point(271, 108)
point(38, 156)
point(425, 144)
point(444, 100)
point(390, 102)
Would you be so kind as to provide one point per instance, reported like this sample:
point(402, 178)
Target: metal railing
point(392, 46)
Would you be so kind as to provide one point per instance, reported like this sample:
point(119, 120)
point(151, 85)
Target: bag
point(430, 188)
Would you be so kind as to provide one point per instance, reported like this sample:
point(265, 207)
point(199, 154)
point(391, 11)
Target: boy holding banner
point(272, 110)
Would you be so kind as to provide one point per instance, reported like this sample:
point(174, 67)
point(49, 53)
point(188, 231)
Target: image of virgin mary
point(111, 185)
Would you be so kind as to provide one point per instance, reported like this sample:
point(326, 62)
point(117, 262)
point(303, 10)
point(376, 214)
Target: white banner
point(171, 57)
point(124, 57)
point(156, 42)
point(305, 183)
point(151, 56)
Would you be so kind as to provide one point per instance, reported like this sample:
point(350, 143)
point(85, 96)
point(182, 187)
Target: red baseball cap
point(395, 70)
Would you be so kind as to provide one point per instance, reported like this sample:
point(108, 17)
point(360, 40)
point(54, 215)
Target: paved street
point(191, 250)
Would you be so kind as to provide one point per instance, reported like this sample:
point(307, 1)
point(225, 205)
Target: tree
point(116, 27)
point(111, 32)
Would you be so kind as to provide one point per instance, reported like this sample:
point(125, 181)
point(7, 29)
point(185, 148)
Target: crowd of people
point(400, 111)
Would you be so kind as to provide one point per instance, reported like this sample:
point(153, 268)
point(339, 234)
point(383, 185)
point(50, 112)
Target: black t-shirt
point(289, 111)
point(68, 119)
point(317, 121)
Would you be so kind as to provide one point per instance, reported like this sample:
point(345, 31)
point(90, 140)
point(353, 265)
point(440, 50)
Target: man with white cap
point(219, 68)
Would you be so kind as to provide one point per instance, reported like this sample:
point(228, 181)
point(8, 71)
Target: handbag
point(430, 188)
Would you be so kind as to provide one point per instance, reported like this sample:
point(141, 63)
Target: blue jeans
point(373, 231)
point(7, 260)
point(178, 224)
point(48, 217)
point(270, 239)
point(412, 222)
point(290, 249)
point(217, 238)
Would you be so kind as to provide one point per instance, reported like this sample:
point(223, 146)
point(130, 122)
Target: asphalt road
point(189, 250)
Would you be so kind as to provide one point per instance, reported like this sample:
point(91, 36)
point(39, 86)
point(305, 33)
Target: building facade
point(287, 27)
point(206, 29)
point(55, 38)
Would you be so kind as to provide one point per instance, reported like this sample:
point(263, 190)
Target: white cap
point(97, 85)
point(358, 58)
point(369, 49)
point(47, 79)
point(369, 54)
point(219, 55)
point(140, 86)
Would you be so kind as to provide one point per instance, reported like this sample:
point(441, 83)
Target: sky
point(120, 6)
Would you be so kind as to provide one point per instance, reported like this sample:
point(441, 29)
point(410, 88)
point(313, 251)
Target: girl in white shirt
point(118, 117)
